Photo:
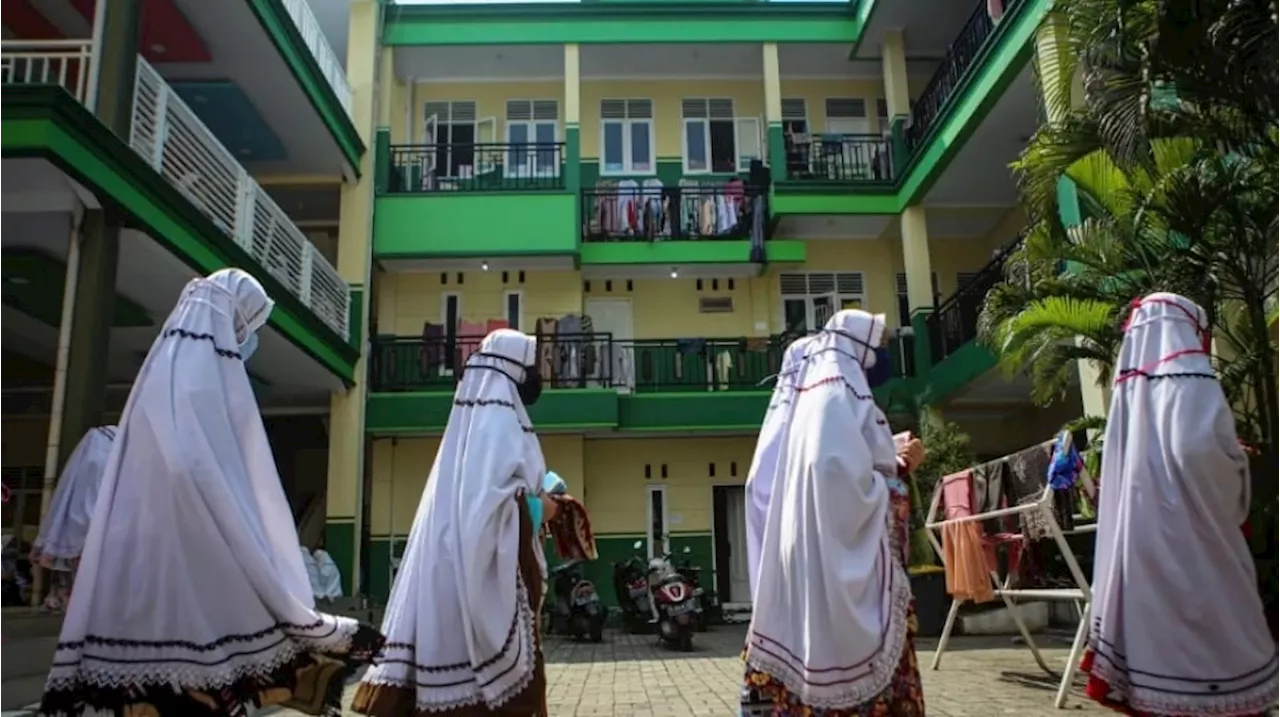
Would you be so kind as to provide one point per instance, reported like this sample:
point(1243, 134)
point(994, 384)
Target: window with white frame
point(810, 298)
point(716, 140)
point(882, 115)
point(847, 115)
point(513, 309)
point(795, 134)
point(533, 129)
point(626, 137)
point(451, 131)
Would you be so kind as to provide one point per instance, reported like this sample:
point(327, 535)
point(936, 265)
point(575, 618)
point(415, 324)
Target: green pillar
point(118, 64)
point(95, 295)
point(99, 236)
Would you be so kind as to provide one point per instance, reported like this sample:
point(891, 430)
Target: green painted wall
point(688, 252)
point(400, 413)
point(622, 22)
point(340, 543)
point(475, 225)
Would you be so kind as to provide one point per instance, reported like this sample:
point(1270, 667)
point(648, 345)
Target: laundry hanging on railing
point(694, 209)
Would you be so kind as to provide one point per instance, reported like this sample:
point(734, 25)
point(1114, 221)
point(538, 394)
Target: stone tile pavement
point(631, 676)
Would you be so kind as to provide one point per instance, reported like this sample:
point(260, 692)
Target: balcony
point(331, 66)
point(839, 158)
point(64, 63)
point(485, 167)
point(687, 212)
point(954, 324)
point(960, 58)
point(171, 140)
point(588, 361)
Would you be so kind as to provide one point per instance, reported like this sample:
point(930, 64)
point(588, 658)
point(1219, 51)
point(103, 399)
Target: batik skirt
point(765, 696)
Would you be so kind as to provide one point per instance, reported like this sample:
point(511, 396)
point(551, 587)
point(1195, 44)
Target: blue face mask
point(248, 347)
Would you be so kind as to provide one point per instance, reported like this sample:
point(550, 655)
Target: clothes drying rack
point(1081, 595)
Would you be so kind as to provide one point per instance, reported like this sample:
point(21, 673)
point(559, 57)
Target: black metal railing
point(593, 360)
point(433, 363)
point(839, 157)
point(506, 166)
point(956, 63)
point(954, 322)
point(725, 364)
point(657, 213)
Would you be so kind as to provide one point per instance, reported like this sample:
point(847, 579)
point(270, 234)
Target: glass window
point(613, 157)
point(641, 147)
point(695, 146)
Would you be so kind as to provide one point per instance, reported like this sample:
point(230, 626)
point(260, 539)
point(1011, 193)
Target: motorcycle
point(576, 609)
point(676, 606)
point(707, 602)
point(631, 586)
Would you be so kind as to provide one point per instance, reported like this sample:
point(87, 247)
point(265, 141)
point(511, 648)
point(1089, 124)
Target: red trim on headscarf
point(1205, 338)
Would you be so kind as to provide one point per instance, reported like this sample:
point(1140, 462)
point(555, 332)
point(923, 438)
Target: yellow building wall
point(615, 490)
point(408, 299)
point(401, 467)
point(409, 99)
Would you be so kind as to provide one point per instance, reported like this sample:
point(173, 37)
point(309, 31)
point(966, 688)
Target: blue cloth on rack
point(690, 346)
point(1065, 464)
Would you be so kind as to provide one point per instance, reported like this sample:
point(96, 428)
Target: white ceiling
point(546, 62)
point(943, 222)
point(148, 274)
point(245, 55)
point(928, 26)
point(979, 174)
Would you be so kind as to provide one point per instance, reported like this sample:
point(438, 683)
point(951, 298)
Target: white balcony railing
point(330, 63)
point(179, 146)
point(47, 62)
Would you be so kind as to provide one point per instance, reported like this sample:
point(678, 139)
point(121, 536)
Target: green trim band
point(44, 121)
point(279, 26)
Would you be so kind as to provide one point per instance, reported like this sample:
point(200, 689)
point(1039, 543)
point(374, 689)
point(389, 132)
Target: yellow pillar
point(893, 61)
point(915, 258)
point(775, 142)
point(344, 497)
point(572, 118)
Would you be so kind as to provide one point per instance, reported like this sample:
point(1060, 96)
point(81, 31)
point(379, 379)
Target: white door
point(612, 317)
point(657, 532)
point(736, 523)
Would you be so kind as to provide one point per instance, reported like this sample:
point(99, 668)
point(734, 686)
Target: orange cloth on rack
point(965, 563)
point(964, 545)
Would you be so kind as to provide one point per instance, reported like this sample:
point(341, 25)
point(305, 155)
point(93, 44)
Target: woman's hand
point(912, 454)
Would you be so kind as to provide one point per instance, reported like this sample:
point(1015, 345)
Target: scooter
point(673, 596)
point(576, 609)
point(707, 602)
point(631, 586)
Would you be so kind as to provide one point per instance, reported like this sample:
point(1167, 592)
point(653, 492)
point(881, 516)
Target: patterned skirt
point(764, 696)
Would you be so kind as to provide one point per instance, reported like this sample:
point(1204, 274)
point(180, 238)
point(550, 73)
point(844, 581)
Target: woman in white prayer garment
point(192, 599)
point(330, 578)
point(62, 531)
point(461, 622)
point(832, 622)
point(1178, 627)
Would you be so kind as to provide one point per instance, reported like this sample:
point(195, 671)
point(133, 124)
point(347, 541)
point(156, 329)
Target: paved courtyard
point(631, 676)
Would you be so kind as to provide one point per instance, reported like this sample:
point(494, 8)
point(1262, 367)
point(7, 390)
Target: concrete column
point(919, 271)
point(572, 119)
point(897, 97)
point(116, 59)
point(345, 521)
point(1060, 94)
point(90, 330)
point(777, 146)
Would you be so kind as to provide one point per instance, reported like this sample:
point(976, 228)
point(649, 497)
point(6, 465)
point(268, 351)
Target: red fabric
point(571, 530)
point(1099, 691)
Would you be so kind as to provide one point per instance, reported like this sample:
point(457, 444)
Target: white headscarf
point(459, 624)
point(765, 462)
point(191, 574)
point(829, 619)
point(65, 525)
point(1178, 625)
